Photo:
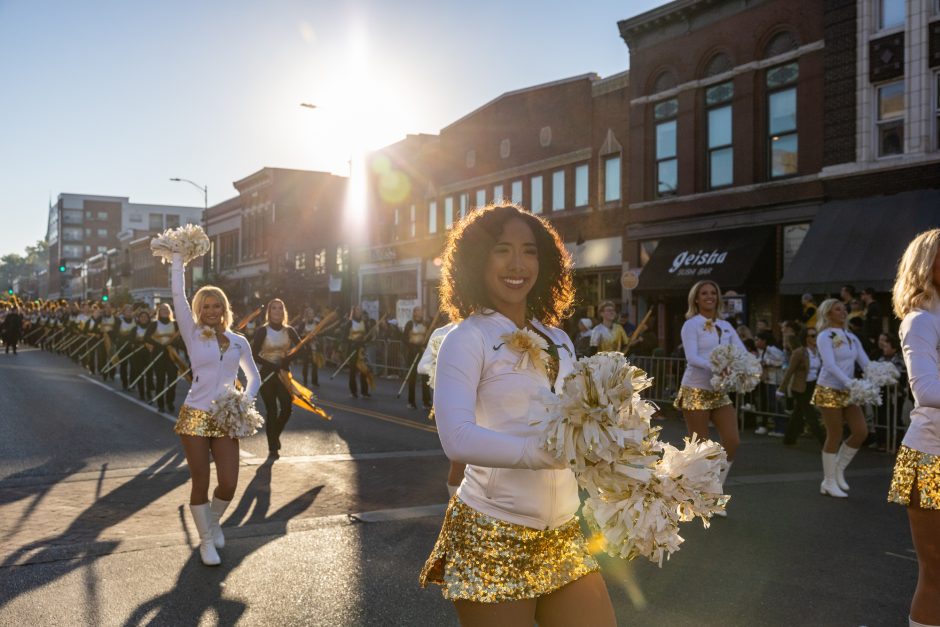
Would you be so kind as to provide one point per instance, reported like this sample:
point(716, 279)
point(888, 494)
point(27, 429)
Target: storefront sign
point(697, 263)
point(386, 253)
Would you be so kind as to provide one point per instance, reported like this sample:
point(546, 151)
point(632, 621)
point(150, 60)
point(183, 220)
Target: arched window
point(780, 43)
point(665, 80)
point(718, 64)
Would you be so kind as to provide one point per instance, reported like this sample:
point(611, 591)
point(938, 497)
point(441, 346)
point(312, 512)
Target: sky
point(115, 97)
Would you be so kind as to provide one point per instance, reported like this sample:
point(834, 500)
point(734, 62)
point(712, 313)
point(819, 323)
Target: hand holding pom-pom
point(189, 240)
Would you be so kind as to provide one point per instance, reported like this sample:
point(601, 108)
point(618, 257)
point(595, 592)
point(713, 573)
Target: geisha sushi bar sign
point(700, 263)
point(727, 257)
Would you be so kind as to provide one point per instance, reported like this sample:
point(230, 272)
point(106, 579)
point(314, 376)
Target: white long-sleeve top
point(212, 368)
point(839, 351)
point(699, 339)
point(920, 342)
point(428, 360)
point(482, 404)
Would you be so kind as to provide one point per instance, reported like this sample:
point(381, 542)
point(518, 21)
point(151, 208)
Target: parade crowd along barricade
point(388, 358)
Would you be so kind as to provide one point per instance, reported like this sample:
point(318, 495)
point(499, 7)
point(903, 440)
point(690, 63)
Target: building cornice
point(518, 171)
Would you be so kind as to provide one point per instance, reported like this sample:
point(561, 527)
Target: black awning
point(725, 257)
point(859, 242)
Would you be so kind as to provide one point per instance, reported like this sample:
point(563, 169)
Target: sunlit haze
point(115, 98)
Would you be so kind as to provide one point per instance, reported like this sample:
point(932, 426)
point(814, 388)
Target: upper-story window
point(432, 217)
point(890, 122)
point(890, 13)
point(481, 198)
point(342, 258)
point(319, 261)
point(581, 185)
point(464, 204)
point(102, 233)
point(515, 190)
point(498, 195)
point(667, 163)
point(300, 261)
point(780, 43)
point(172, 220)
point(936, 104)
point(558, 190)
point(412, 226)
point(782, 133)
point(156, 221)
point(102, 215)
point(395, 224)
point(448, 212)
point(720, 150)
point(536, 195)
point(612, 179)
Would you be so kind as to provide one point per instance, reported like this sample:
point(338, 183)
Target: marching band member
point(839, 351)
point(608, 335)
point(415, 334)
point(355, 331)
point(216, 354)
point(125, 332)
point(310, 355)
point(140, 362)
point(161, 336)
point(106, 326)
point(12, 329)
point(916, 480)
point(270, 345)
point(700, 404)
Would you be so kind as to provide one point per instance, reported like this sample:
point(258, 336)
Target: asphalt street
point(94, 531)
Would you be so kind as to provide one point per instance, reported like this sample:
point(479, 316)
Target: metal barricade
point(667, 376)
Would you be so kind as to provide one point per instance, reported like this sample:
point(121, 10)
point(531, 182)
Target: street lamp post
point(203, 188)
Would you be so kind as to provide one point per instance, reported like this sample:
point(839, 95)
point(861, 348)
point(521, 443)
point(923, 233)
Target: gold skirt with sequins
point(695, 399)
point(915, 468)
point(483, 559)
point(830, 398)
point(199, 422)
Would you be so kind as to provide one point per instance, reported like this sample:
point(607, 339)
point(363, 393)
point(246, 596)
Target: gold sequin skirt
point(915, 468)
point(699, 399)
point(483, 559)
point(199, 422)
point(830, 398)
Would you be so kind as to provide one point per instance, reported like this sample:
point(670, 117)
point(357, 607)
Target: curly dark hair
point(467, 251)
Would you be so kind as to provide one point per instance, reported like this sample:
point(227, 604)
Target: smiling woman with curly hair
point(511, 549)
point(463, 289)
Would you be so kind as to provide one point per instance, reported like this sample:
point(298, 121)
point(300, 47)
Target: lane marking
point(903, 557)
point(350, 457)
point(404, 422)
point(241, 451)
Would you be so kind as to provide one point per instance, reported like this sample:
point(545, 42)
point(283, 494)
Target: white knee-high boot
point(202, 516)
point(218, 508)
point(829, 485)
point(722, 476)
point(845, 455)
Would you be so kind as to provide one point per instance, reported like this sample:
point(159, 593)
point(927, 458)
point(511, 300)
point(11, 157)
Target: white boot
point(452, 489)
point(829, 485)
point(722, 476)
point(202, 515)
point(218, 508)
point(845, 455)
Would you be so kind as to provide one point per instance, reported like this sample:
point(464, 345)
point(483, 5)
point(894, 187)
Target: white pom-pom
point(235, 414)
point(188, 240)
point(864, 392)
point(734, 369)
point(882, 373)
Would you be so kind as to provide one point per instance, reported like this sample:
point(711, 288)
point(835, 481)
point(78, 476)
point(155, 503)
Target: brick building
point(280, 237)
point(558, 149)
point(751, 143)
point(82, 226)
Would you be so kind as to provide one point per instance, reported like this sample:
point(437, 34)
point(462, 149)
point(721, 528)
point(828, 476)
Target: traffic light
point(104, 298)
point(10, 291)
point(62, 266)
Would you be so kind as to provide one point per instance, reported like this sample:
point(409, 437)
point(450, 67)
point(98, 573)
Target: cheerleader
point(162, 335)
point(916, 480)
point(216, 354)
point(511, 549)
point(270, 346)
point(839, 351)
point(698, 400)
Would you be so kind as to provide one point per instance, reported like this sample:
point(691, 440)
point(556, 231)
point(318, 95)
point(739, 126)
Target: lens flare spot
point(394, 187)
point(381, 164)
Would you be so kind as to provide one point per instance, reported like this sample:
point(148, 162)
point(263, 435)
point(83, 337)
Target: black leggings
point(277, 406)
point(803, 411)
